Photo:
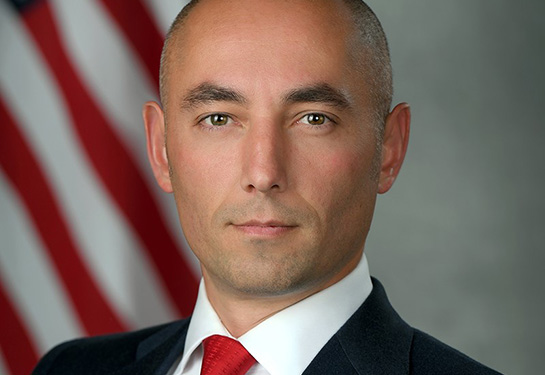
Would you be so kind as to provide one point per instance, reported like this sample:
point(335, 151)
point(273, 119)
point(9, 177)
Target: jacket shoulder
point(431, 356)
point(100, 354)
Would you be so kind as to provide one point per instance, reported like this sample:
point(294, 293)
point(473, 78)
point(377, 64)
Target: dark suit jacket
point(375, 340)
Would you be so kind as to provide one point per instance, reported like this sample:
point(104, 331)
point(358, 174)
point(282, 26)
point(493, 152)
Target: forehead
point(260, 40)
point(218, 17)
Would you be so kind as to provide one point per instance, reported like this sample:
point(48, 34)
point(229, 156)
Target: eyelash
point(328, 121)
point(211, 127)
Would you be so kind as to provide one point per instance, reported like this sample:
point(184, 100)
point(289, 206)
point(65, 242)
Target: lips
point(268, 223)
point(264, 228)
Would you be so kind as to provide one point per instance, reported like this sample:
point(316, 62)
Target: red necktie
point(225, 356)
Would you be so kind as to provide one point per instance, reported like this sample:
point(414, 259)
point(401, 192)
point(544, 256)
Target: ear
point(154, 120)
point(394, 145)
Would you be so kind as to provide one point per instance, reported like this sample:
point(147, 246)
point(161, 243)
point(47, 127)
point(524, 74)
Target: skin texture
point(276, 194)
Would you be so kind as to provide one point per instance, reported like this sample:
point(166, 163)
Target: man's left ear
point(394, 145)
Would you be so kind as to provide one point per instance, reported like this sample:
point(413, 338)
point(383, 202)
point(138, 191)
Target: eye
point(315, 119)
point(217, 119)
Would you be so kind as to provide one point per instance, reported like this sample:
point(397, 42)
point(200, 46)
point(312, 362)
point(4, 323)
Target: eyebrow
point(208, 92)
point(319, 93)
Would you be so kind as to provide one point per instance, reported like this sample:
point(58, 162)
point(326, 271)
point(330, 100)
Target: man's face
point(270, 144)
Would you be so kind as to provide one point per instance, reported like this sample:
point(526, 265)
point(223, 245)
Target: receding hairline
point(178, 22)
point(374, 55)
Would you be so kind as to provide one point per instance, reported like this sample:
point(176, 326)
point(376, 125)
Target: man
point(275, 135)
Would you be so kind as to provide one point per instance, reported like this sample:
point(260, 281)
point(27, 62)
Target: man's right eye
point(217, 119)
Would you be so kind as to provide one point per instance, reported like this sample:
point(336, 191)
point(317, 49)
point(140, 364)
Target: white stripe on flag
point(29, 277)
point(113, 73)
point(3, 366)
point(118, 81)
point(108, 245)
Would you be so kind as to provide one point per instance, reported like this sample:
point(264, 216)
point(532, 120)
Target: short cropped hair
point(375, 57)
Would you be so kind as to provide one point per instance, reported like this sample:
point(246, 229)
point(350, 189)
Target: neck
point(240, 312)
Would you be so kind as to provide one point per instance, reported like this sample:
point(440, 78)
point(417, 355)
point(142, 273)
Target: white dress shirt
point(286, 342)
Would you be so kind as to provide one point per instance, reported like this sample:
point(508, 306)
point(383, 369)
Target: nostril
point(262, 186)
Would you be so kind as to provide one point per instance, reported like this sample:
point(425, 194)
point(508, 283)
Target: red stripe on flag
point(19, 351)
point(114, 164)
point(21, 167)
point(141, 31)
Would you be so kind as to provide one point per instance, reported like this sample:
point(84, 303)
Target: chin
point(268, 279)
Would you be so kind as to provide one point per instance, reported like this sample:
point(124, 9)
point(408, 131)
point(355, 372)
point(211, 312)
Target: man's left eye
point(315, 119)
point(217, 119)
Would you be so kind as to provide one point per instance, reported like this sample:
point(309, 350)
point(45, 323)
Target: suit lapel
point(331, 360)
point(375, 340)
point(157, 353)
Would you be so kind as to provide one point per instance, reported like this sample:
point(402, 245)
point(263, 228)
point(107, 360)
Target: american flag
point(88, 243)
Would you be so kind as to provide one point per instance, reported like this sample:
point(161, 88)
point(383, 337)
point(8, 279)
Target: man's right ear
point(154, 120)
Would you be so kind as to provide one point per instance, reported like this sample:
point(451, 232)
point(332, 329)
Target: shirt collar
point(294, 335)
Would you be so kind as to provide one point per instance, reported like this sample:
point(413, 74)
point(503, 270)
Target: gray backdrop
point(458, 242)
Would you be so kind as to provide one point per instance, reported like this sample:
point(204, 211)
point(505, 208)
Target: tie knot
point(225, 356)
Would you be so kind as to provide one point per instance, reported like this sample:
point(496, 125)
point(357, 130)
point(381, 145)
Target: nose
point(264, 158)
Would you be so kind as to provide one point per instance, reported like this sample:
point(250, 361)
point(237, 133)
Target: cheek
point(200, 180)
point(342, 186)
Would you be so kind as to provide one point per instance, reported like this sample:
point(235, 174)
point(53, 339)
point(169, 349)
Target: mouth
point(264, 228)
